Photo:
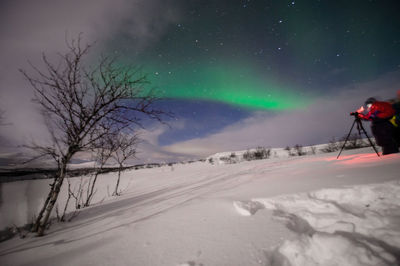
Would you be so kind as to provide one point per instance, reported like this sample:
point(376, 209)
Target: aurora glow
point(235, 74)
point(223, 61)
point(233, 53)
point(226, 84)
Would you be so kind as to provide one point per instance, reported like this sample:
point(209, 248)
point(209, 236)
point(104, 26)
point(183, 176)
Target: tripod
point(357, 120)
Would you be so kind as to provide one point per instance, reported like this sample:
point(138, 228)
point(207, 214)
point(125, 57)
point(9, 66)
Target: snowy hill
point(299, 210)
point(266, 153)
point(239, 156)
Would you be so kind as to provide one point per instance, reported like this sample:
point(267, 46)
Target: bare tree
point(76, 193)
point(83, 104)
point(62, 217)
point(104, 148)
point(125, 148)
point(36, 224)
point(299, 149)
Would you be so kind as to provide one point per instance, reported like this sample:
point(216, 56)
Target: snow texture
point(356, 225)
point(308, 210)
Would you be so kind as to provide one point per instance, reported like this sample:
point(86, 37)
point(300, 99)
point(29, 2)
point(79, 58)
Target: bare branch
point(125, 148)
point(84, 107)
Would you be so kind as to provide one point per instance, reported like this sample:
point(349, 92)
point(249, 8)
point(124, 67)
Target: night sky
point(225, 59)
point(286, 71)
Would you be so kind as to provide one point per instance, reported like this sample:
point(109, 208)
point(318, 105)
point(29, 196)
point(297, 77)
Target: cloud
point(149, 149)
point(326, 117)
point(28, 28)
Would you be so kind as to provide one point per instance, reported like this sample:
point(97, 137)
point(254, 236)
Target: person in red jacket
point(396, 119)
point(380, 113)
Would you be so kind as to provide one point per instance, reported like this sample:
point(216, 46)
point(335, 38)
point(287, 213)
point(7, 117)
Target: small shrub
point(258, 154)
point(299, 150)
point(289, 150)
point(224, 159)
point(313, 150)
point(248, 155)
point(367, 144)
point(262, 153)
point(354, 142)
point(332, 145)
point(229, 159)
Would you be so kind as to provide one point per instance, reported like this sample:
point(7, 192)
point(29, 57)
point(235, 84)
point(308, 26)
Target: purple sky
point(28, 28)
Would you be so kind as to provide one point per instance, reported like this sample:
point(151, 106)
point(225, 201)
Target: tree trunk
point(35, 227)
point(91, 191)
point(116, 186)
point(54, 194)
point(66, 204)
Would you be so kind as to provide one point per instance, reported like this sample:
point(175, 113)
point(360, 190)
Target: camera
point(354, 114)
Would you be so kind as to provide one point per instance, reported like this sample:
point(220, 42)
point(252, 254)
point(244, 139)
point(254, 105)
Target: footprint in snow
point(247, 208)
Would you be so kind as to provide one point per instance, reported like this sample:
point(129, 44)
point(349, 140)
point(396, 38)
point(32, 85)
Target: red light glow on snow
point(356, 159)
point(359, 159)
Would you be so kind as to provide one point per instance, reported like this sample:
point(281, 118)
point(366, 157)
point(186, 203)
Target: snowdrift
point(356, 225)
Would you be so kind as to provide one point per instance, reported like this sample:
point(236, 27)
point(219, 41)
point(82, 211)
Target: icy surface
point(309, 210)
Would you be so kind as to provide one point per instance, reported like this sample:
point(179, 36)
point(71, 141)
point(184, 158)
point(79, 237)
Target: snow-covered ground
point(358, 225)
point(309, 210)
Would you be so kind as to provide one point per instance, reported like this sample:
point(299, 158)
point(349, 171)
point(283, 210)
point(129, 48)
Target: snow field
point(184, 215)
point(358, 225)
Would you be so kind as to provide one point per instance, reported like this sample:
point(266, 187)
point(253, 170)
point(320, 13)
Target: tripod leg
point(347, 138)
point(365, 132)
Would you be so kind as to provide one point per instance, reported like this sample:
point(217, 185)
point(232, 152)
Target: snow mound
point(330, 250)
point(356, 225)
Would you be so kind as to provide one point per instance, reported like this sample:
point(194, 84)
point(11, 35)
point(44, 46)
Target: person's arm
point(370, 115)
point(365, 116)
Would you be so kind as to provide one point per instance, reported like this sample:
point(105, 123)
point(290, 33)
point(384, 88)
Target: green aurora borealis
point(270, 55)
point(228, 74)
point(229, 84)
point(220, 62)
